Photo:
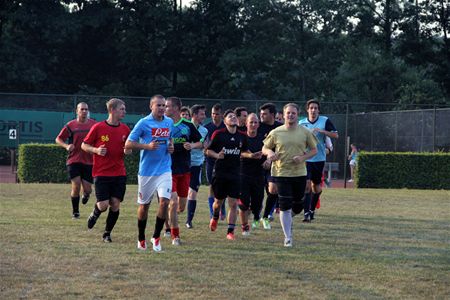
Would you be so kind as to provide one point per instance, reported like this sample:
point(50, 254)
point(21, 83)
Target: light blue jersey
point(322, 123)
point(197, 155)
point(153, 162)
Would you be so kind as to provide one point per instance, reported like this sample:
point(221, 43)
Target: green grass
point(365, 244)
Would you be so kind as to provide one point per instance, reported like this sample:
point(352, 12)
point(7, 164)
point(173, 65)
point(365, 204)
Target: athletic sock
point(159, 224)
point(315, 199)
point(245, 227)
point(75, 204)
point(97, 212)
point(175, 232)
point(210, 203)
point(270, 203)
point(111, 220)
point(307, 203)
point(216, 214)
point(286, 223)
point(231, 228)
point(141, 227)
point(192, 205)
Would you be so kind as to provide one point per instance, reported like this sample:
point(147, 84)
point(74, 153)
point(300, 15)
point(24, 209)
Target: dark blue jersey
point(183, 131)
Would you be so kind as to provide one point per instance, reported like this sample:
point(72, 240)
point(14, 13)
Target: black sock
point(307, 203)
point(111, 220)
point(97, 212)
point(270, 202)
point(216, 214)
point(315, 200)
point(141, 227)
point(192, 205)
point(159, 224)
point(75, 204)
point(230, 228)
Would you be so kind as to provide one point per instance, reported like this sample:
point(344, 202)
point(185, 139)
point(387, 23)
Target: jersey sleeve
point(195, 136)
point(65, 133)
point(269, 141)
point(136, 133)
point(215, 144)
point(91, 136)
point(329, 126)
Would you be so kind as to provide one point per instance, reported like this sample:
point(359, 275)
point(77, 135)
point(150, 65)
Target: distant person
point(322, 127)
point(216, 123)
point(106, 141)
point(152, 136)
point(288, 147)
point(241, 114)
point(227, 146)
point(352, 158)
point(79, 162)
point(185, 113)
point(279, 117)
point(198, 113)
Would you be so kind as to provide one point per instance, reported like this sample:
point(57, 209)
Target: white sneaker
point(287, 243)
point(156, 244)
point(266, 224)
point(142, 245)
point(245, 233)
point(167, 234)
point(176, 241)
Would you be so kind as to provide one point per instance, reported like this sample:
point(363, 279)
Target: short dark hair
point(217, 106)
point(185, 109)
point(175, 101)
point(196, 108)
point(239, 110)
point(312, 101)
point(270, 106)
point(227, 112)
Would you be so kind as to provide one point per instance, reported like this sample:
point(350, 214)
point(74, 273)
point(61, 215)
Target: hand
point(221, 154)
point(266, 165)
point(127, 151)
point(257, 155)
point(101, 150)
point(153, 145)
point(171, 147)
point(187, 146)
point(317, 130)
point(273, 156)
point(70, 148)
point(298, 159)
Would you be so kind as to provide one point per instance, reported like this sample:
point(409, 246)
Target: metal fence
point(371, 126)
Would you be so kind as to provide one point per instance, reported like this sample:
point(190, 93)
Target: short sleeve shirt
point(74, 133)
point(183, 131)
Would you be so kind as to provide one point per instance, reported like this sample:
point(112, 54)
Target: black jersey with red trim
point(183, 131)
point(250, 166)
point(264, 128)
point(233, 144)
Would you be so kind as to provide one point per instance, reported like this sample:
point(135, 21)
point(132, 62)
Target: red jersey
point(75, 132)
point(113, 137)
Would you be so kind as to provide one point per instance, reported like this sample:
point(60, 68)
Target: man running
point(152, 136)
point(79, 162)
point(288, 147)
point(252, 177)
point(106, 141)
point(198, 113)
point(322, 127)
point(185, 137)
point(227, 145)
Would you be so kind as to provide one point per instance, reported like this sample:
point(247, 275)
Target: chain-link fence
point(371, 126)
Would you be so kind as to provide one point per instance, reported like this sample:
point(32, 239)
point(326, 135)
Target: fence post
point(434, 128)
point(347, 138)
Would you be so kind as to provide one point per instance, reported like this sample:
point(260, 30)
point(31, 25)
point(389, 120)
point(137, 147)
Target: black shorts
point(252, 192)
point(209, 171)
point(82, 170)
point(315, 171)
point(107, 187)
point(196, 177)
point(225, 187)
point(290, 192)
point(268, 177)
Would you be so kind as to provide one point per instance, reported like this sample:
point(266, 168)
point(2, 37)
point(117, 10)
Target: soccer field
point(364, 244)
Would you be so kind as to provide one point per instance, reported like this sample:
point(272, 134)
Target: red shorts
point(180, 184)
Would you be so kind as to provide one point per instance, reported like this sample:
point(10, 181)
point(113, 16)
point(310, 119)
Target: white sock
point(286, 223)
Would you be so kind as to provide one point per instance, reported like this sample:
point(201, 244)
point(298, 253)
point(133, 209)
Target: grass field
point(365, 244)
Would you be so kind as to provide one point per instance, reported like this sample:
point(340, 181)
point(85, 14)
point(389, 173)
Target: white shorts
point(148, 185)
point(353, 162)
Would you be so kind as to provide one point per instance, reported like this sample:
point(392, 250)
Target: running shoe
point(91, 221)
point(75, 216)
point(107, 238)
point(156, 244)
point(84, 199)
point(189, 225)
point(311, 215)
point(307, 218)
point(213, 225)
point(167, 233)
point(230, 236)
point(142, 245)
point(255, 224)
point(266, 224)
point(271, 218)
point(245, 233)
point(176, 241)
point(287, 243)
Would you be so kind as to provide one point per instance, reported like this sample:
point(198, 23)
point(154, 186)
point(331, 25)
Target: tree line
point(383, 51)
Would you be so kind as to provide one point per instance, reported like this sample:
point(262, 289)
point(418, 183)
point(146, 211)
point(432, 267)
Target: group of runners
point(246, 156)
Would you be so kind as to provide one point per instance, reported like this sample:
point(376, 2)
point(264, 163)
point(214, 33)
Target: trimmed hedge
point(403, 170)
point(47, 163)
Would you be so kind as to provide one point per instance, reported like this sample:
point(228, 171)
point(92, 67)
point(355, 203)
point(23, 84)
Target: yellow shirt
point(289, 143)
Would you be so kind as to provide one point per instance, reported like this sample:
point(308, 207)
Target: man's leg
point(173, 216)
point(113, 215)
point(142, 215)
point(87, 190)
point(75, 196)
point(285, 198)
point(232, 216)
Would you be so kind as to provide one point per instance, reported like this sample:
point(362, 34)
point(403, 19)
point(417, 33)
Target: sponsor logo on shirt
point(235, 151)
point(160, 132)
